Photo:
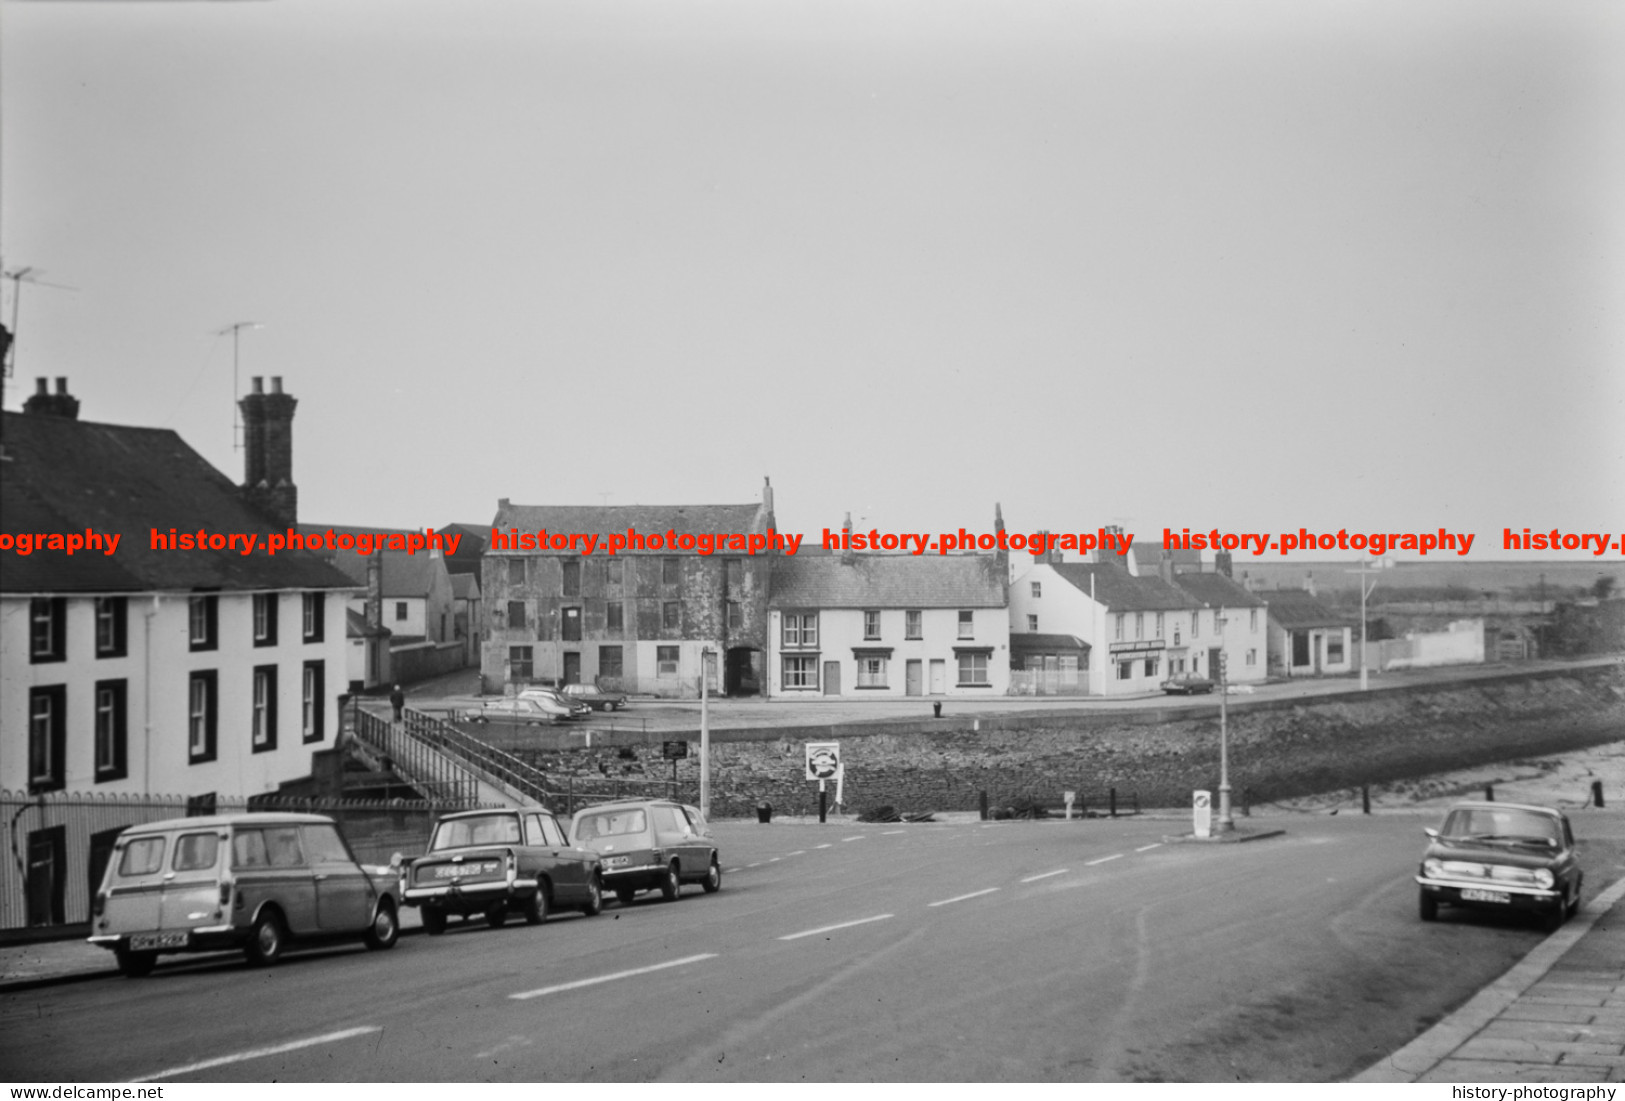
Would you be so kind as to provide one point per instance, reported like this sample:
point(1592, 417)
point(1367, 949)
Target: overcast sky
point(1251, 265)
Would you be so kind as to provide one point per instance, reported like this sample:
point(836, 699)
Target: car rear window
point(610, 824)
point(196, 851)
point(142, 856)
point(490, 829)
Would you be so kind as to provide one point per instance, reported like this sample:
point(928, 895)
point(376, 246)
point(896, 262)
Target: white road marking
point(962, 898)
point(798, 852)
point(859, 837)
point(1148, 848)
point(1102, 860)
point(611, 978)
point(1044, 875)
point(825, 845)
point(832, 928)
point(889, 833)
point(731, 871)
point(758, 864)
point(262, 1052)
point(774, 859)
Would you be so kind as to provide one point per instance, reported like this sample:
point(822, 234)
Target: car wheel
point(267, 940)
point(536, 907)
point(1427, 906)
point(626, 895)
point(1574, 900)
point(496, 914)
point(713, 878)
point(595, 897)
point(136, 965)
point(385, 929)
point(1554, 918)
point(434, 921)
point(671, 887)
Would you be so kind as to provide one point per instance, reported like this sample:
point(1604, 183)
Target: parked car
point(259, 882)
point(649, 844)
point(519, 709)
point(1502, 856)
point(1187, 684)
point(574, 709)
point(599, 699)
point(496, 862)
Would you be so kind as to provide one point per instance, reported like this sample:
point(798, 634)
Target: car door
point(287, 879)
point(191, 895)
point(700, 843)
point(567, 865)
point(344, 893)
point(674, 834)
point(135, 883)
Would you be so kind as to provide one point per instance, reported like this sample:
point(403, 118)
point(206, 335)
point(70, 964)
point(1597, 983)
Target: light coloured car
point(573, 709)
point(258, 882)
point(649, 844)
point(519, 709)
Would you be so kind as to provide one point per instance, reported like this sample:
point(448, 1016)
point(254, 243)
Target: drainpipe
point(146, 699)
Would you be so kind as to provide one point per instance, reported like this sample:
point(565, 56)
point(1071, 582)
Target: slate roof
point(404, 574)
point(605, 520)
point(887, 581)
point(1120, 591)
point(1217, 591)
point(65, 475)
point(1294, 609)
point(464, 586)
point(470, 549)
point(1148, 556)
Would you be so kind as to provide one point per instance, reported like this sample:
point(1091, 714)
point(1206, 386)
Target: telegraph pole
point(1225, 823)
point(1365, 679)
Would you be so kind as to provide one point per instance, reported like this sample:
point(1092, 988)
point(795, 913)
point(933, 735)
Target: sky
point(1252, 266)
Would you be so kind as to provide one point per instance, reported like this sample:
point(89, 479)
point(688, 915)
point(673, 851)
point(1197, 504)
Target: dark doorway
point(742, 672)
point(47, 875)
point(572, 667)
point(1300, 649)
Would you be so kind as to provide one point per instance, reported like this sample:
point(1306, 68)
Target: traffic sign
point(824, 761)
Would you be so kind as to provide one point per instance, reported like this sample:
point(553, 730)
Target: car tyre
point(385, 929)
point(266, 941)
point(626, 895)
point(1427, 906)
point(434, 921)
point(1554, 917)
point(671, 886)
point(136, 965)
point(496, 914)
point(536, 907)
point(713, 878)
point(595, 897)
point(1574, 900)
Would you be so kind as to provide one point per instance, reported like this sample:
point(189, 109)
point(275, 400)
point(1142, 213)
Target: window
point(735, 574)
point(1159, 625)
point(1196, 624)
point(967, 626)
point(516, 571)
point(1151, 666)
point(972, 668)
point(736, 615)
point(871, 672)
point(912, 624)
point(1139, 625)
point(615, 573)
point(111, 729)
point(666, 661)
point(1334, 648)
point(400, 611)
point(111, 616)
point(313, 701)
point(1176, 632)
point(265, 619)
point(315, 616)
point(1252, 622)
point(203, 619)
point(800, 630)
point(47, 629)
point(1125, 670)
point(668, 571)
point(326, 846)
point(1032, 623)
point(282, 848)
point(47, 737)
point(670, 615)
point(871, 624)
point(615, 616)
point(143, 856)
point(609, 660)
point(520, 664)
point(1117, 630)
point(264, 716)
point(552, 834)
point(202, 715)
point(516, 615)
point(1038, 589)
point(1252, 657)
point(570, 577)
point(800, 672)
point(570, 624)
point(195, 852)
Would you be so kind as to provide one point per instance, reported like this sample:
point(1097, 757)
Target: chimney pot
point(276, 384)
point(61, 385)
point(42, 387)
point(259, 384)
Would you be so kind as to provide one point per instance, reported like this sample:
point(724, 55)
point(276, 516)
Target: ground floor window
point(973, 669)
point(1334, 649)
point(871, 672)
point(1125, 670)
point(521, 662)
point(1151, 666)
point(666, 661)
point(800, 671)
point(1252, 657)
point(609, 661)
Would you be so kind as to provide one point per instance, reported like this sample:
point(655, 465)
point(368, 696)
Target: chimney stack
point(60, 404)
point(268, 451)
point(375, 590)
point(1165, 566)
point(1221, 563)
point(1309, 583)
point(848, 557)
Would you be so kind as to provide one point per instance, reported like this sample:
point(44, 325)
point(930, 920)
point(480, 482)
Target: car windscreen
point(609, 823)
point(484, 829)
point(1485, 824)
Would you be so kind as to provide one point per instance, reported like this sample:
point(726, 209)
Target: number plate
point(1471, 894)
point(145, 942)
point(614, 861)
point(450, 871)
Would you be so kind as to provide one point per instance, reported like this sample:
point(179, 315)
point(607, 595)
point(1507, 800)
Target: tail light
point(100, 904)
point(512, 863)
point(225, 893)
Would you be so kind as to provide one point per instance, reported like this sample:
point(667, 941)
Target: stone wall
point(1279, 749)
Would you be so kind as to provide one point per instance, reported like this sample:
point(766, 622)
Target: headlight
point(1543, 878)
point(1433, 869)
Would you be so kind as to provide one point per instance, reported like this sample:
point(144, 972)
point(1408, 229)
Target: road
point(1031, 951)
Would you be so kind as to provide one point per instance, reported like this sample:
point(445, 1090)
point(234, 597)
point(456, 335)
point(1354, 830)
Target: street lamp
point(1365, 681)
point(1226, 823)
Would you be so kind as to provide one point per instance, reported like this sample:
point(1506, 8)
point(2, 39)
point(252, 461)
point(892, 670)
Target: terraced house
point(641, 620)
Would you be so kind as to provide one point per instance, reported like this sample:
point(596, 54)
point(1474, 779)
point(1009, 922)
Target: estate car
point(649, 844)
point(495, 862)
point(599, 699)
point(250, 881)
point(1502, 856)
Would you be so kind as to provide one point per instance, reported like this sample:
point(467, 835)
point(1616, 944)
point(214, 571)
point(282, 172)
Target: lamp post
point(705, 733)
point(1225, 823)
point(1365, 680)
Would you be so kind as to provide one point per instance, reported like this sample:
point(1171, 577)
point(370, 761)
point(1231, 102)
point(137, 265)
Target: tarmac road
point(1048, 951)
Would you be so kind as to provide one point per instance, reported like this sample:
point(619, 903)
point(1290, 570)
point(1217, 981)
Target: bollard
point(823, 806)
point(764, 811)
point(936, 710)
point(1365, 798)
point(1596, 792)
point(983, 801)
point(1489, 793)
point(1111, 801)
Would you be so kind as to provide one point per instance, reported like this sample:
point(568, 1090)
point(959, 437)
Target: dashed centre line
point(825, 845)
point(1044, 875)
point(1102, 860)
point(859, 837)
point(611, 978)
point(832, 928)
point(962, 898)
point(889, 833)
point(262, 1052)
point(1148, 848)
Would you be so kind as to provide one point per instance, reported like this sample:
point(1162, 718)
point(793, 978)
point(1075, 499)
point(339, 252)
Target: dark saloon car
point(649, 844)
point(599, 699)
point(1188, 684)
point(494, 862)
point(1502, 856)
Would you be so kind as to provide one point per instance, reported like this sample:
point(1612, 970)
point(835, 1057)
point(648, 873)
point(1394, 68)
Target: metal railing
point(435, 774)
point(446, 755)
